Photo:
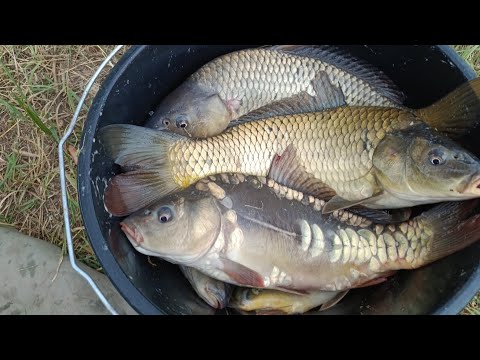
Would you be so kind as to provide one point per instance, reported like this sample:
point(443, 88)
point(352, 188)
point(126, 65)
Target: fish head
point(192, 111)
point(427, 166)
point(178, 230)
point(246, 299)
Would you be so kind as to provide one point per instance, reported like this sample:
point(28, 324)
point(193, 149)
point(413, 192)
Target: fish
point(237, 83)
point(358, 215)
point(251, 238)
point(272, 302)
point(375, 157)
point(215, 293)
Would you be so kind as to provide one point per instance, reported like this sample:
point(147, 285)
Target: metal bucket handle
point(66, 217)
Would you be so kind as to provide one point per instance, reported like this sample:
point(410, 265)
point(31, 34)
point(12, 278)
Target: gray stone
point(31, 284)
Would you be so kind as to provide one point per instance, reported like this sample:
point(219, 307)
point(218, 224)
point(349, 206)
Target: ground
point(39, 90)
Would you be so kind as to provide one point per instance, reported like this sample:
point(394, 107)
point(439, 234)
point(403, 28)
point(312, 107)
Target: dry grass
point(471, 53)
point(39, 90)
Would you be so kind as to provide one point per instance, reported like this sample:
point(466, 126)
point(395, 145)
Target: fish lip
point(134, 236)
point(474, 187)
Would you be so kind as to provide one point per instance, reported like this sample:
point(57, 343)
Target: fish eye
point(436, 158)
point(165, 214)
point(181, 122)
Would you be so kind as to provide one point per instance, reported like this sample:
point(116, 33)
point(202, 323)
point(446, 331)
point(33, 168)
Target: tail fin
point(456, 225)
point(457, 113)
point(146, 151)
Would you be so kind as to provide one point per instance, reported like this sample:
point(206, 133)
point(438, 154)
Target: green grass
point(39, 90)
point(471, 54)
point(11, 168)
point(21, 101)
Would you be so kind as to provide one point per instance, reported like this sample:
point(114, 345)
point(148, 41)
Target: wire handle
point(66, 217)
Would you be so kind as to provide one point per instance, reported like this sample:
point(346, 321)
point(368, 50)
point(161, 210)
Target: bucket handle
point(66, 217)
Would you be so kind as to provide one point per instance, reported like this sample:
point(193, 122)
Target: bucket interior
point(131, 93)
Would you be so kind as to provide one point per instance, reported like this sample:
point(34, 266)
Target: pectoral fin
point(382, 216)
point(327, 96)
point(292, 291)
point(334, 301)
point(381, 279)
point(242, 275)
point(338, 203)
point(287, 170)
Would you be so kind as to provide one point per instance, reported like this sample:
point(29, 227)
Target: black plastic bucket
point(146, 74)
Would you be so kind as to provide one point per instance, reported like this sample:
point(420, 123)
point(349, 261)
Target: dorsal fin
point(341, 59)
point(327, 96)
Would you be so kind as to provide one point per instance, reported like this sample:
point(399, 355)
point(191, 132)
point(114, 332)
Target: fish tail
point(455, 226)
point(145, 152)
point(458, 112)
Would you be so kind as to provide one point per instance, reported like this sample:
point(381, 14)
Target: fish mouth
point(134, 236)
point(474, 187)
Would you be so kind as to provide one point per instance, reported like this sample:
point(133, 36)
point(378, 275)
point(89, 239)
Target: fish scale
point(275, 70)
point(377, 157)
point(261, 241)
point(250, 148)
point(366, 249)
point(391, 241)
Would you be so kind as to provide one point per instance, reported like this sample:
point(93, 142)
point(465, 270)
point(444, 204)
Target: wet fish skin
point(215, 293)
point(347, 151)
point(265, 242)
point(353, 216)
point(237, 83)
point(272, 302)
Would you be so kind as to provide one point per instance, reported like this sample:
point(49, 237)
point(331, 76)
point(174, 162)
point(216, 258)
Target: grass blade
point(13, 111)
point(10, 171)
point(32, 114)
point(469, 51)
point(21, 102)
point(74, 99)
